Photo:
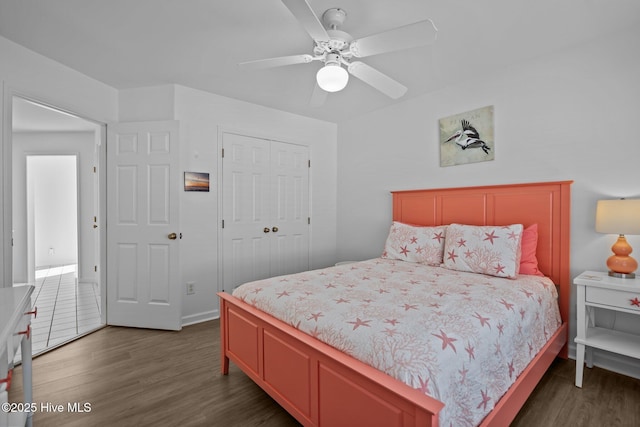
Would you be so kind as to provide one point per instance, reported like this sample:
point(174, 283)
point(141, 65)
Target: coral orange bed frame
point(320, 386)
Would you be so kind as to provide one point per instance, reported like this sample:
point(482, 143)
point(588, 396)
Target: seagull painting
point(468, 137)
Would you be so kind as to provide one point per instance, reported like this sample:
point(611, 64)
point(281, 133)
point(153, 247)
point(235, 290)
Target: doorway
point(55, 209)
point(52, 212)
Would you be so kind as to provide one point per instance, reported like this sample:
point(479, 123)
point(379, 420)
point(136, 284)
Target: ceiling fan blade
point(412, 35)
point(303, 13)
point(318, 97)
point(277, 62)
point(376, 79)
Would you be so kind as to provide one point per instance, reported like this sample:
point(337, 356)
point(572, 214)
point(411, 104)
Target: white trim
point(5, 184)
point(206, 316)
point(219, 236)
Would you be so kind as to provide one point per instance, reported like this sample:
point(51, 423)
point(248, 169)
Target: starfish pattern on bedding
point(357, 323)
point(483, 320)
point(485, 399)
point(491, 236)
point(446, 341)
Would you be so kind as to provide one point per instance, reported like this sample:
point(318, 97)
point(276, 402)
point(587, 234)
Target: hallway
point(66, 309)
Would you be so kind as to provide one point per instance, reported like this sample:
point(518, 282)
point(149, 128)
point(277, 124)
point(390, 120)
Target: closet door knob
point(274, 229)
point(266, 229)
point(172, 236)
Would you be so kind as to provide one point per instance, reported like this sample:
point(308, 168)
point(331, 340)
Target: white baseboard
point(200, 317)
point(86, 281)
point(612, 362)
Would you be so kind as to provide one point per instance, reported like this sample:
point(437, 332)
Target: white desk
point(598, 289)
point(15, 329)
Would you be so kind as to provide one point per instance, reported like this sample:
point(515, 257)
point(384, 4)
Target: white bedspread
point(461, 338)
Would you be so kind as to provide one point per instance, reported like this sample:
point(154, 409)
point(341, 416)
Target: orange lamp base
point(621, 264)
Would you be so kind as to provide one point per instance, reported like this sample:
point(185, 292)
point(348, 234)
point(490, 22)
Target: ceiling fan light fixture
point(332, 77)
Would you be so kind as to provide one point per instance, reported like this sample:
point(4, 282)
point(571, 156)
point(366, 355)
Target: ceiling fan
point(337, 49)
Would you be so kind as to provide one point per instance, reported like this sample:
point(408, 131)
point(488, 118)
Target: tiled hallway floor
point(66, 309)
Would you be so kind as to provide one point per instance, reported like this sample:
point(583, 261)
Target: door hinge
point(223, 223)
point(223, 153)
point(95, 169)
point(309, 162)
point(95, 268)
point(309, 220)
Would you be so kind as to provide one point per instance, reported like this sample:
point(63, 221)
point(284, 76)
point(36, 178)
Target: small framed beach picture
point(196, 181)
point(467, 137)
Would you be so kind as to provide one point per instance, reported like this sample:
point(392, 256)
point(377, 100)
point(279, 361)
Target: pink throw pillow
point(528, 259)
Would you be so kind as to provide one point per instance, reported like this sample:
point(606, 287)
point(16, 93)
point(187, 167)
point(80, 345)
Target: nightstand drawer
point(19, 332)
point(614, 298)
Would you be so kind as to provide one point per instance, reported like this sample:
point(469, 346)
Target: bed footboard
point(315, 383)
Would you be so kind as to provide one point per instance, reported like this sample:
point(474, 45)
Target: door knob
point(266, 229)
point(274, 229)
point(172, 236)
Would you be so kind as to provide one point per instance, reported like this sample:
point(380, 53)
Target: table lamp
point(620, 217)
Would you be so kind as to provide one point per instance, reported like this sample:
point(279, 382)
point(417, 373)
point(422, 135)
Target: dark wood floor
point(139, 377)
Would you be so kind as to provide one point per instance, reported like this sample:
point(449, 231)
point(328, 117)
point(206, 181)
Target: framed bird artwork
point(467, 137)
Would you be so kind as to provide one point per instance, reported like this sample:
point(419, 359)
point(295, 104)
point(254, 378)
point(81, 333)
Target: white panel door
point(247, 225)
point(143, 288)
point(265, 209)
point(289, 197)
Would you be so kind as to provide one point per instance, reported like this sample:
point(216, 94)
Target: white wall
point(33, 76)
point(566, 116)
point(81, 144)
point(203, 116)
point(53, 196)
point(26, 73)
point(37, 76)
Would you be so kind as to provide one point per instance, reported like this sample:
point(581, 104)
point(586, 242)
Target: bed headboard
point(547, 203)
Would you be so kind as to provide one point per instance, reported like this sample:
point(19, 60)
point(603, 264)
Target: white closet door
point(246, 183)
point(289, 208)
point(265, 209)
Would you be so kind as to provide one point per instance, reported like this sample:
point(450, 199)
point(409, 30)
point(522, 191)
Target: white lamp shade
point(332, 77)
point(620, 216)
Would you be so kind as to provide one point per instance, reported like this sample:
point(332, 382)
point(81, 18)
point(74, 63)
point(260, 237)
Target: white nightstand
point(598, 289)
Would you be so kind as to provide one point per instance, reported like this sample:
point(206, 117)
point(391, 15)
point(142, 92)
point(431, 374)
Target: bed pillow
point(415, 244)
point(491, 250)
point(528, 259)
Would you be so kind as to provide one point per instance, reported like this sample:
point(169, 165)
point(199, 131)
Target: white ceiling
point(198, 43)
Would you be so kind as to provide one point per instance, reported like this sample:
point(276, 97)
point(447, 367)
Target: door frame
point(6, 183)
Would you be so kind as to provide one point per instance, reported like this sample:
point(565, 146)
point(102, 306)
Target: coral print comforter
point(462, 338)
